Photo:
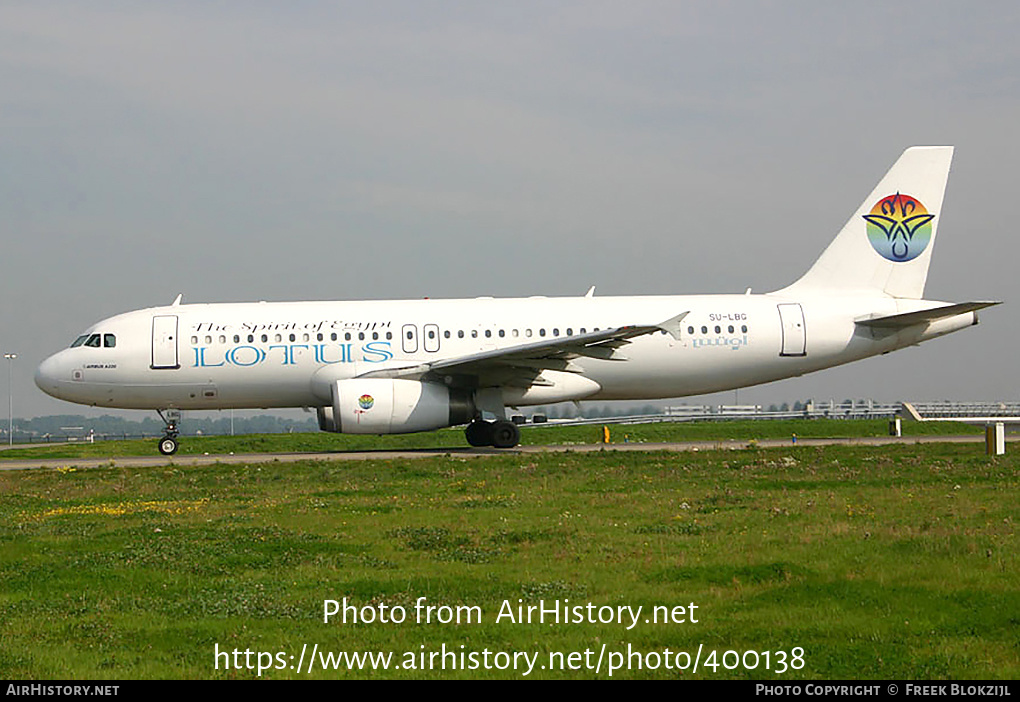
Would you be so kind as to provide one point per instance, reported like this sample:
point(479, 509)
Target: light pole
point(10, 399)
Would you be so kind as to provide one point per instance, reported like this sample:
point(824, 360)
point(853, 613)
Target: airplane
point(382, 367)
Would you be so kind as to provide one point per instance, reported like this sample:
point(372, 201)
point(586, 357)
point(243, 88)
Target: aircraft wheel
point(168, 446)
point(479, 433)
point(505, 435)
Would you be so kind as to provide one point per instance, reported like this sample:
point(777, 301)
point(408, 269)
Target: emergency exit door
point(409, 338)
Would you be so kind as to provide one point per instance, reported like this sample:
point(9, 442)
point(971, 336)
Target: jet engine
point(387, 406)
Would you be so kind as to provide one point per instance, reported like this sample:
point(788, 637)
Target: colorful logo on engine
point(899, 227)
point(366, 402)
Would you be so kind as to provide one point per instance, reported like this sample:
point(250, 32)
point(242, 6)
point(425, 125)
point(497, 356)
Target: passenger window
point(488, 333)
point(194, 340)
point(265, 338)
point(432, 334)
point(237, 339)
point(730, 328)
point(460, 334)
point(446, 334)
point(527, 333)
point(743, 327)
point(293, 337)
point(704, 330)
point(570, 332)
point(251, 338)
point(375, 336)
point(223, 339)
point(93, 341)
point(556, 332)
point(389, 335)
point(582, 331)
point(361, 336)
point(109, 341)
point(501, 333)
point(717, 329)
point(474, 333)
point(541, 332)
point(690, 330)
point(347, 336)
point(79, 341)
point(514, 333)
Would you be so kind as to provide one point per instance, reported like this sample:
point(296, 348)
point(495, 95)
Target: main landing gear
point(499, 434)
point(168, 444)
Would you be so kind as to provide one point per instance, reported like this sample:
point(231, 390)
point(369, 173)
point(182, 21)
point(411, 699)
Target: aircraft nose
point(47, 375)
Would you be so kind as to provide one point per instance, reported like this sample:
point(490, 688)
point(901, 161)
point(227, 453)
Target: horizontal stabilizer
point(909, 319)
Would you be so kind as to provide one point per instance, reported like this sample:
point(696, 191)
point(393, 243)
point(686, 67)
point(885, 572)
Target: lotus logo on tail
point(899, 227)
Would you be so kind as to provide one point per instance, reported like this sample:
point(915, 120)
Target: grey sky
point(285, 151)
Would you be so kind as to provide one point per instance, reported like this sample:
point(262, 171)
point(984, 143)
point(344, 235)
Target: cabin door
point(791, 317)
point(164, 342)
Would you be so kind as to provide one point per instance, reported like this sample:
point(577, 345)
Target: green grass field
point(877, 562)
point(741, 430)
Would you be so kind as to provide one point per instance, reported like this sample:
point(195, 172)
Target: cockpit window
point(96, 341)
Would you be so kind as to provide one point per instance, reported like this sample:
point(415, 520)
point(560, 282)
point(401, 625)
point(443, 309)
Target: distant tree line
point(79, 425)
point(570, 411)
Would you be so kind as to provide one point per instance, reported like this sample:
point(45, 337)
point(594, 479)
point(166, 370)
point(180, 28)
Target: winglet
point(672, 325)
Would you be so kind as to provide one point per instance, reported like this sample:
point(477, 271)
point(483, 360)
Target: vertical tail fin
point(886, 246)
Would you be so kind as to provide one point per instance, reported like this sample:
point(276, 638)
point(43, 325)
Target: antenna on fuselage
point(591, 292)
point(177, 300)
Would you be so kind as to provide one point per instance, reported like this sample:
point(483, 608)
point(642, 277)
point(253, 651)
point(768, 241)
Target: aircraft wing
point(520, 365)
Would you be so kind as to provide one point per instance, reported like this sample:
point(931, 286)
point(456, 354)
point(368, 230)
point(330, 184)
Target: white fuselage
point(261, 355)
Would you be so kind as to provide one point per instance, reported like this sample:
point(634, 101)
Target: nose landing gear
point(168, 444)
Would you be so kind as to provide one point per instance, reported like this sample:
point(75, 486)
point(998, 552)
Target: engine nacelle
point(386, 406)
